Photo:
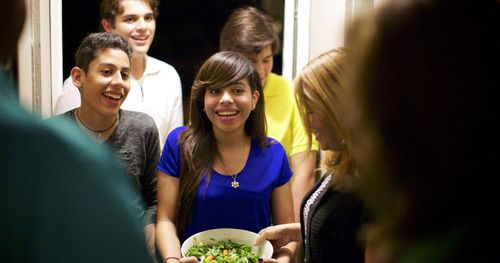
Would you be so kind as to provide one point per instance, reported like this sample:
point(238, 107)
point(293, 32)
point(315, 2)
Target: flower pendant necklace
point(235, 184)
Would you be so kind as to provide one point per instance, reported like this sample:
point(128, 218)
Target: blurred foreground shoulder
point(66, 200)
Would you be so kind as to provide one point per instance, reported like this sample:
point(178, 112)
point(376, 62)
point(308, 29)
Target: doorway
point(187, 32)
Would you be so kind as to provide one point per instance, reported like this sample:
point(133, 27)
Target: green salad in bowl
point(226, 245)
point(223, 252)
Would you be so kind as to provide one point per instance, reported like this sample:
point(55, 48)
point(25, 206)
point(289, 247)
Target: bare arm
point(283, 234)
point(303, 165)
point(167, 240)
point(282, 211)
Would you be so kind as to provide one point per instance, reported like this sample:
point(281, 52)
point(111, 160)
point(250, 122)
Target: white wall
point(40, 56)
point(327, 22)
point(311, 28)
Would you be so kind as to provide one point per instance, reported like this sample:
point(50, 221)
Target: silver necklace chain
point(234, 184)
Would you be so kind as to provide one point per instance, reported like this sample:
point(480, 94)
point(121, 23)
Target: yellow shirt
point(283, 120)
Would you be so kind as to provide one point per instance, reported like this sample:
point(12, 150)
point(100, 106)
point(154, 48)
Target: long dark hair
point(197, 142)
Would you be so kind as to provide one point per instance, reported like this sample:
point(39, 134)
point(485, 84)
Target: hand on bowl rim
point(279, 235)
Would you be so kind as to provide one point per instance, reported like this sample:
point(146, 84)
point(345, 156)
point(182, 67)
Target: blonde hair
point(320, 87)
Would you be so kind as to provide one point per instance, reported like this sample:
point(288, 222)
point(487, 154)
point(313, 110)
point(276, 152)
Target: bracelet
point(167, 258)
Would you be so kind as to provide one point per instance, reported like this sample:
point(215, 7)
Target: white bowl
point(239, 236)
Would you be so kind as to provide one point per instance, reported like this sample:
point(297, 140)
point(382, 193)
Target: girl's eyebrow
point(213, 88)
point(238, 82)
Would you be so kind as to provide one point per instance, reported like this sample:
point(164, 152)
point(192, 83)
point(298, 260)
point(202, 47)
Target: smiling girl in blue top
point(222, 170)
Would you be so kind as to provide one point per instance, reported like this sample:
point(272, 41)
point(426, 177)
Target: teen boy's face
point(263, 62)
point(137, 24)
point(106, 84)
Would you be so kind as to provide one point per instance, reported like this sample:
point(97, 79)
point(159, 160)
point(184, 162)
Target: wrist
point(171, 259)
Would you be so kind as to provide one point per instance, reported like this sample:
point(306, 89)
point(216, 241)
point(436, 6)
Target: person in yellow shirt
point(250, 32)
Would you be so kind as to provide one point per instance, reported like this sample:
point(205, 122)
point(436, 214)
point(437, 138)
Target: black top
point(330, 228)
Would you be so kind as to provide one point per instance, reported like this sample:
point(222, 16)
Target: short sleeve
point(170, 159)
point(285, 172)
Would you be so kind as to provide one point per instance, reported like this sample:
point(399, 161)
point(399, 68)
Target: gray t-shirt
point(135, 142)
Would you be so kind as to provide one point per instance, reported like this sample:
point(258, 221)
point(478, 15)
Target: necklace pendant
point(235, 184)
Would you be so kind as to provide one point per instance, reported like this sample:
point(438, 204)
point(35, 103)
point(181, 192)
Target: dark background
point(187, 32)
